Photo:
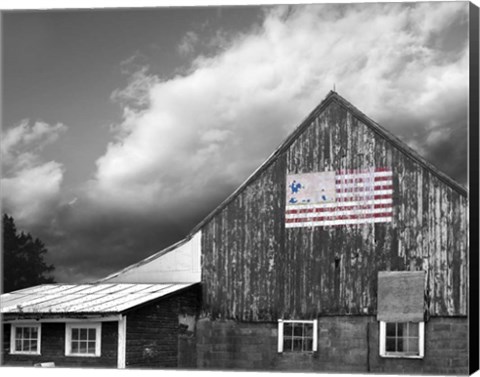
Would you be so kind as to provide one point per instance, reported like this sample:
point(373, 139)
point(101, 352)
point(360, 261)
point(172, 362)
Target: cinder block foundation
point(345, 344)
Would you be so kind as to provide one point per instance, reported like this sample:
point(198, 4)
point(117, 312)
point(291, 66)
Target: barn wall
point(53, 348)
point(155, 333)
point(255, 269)
point(347, 344)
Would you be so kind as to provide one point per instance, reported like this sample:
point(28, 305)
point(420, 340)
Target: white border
point(68, 338)
point(122, 342)
point(64, 320)
point(13, 350)
point(421, 343)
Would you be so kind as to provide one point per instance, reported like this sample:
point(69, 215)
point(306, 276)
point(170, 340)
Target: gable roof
point(330, 98)
point(83, 298)
point(375, 127)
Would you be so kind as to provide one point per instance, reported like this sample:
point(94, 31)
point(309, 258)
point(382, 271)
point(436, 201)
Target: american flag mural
point(344, 197)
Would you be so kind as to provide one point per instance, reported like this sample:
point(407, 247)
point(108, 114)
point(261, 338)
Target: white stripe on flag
point(338, 213)
point(339, 222)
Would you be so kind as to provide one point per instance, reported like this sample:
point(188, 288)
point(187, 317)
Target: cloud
point(136, 95)
point(187, 45)
point(30, 187)
point(21, 144)
point(205, 131)
point(30, 193)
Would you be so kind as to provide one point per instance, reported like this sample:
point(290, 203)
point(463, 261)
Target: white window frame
point(315, 333)
point(68, 338)
point(383, 342)
point(13, 331)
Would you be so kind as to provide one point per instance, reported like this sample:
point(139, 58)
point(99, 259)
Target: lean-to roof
point(83, 298)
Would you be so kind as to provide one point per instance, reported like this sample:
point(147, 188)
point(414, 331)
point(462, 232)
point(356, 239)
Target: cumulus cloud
point(187, 44)
point(207, 130)
point(136, 95)
point(30, 186)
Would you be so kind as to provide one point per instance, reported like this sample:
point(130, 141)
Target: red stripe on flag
point(366, 171)
point(343, 217)
point(340, 180)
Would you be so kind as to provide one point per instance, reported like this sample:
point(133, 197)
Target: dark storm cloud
point(441, 139)
point(87, 243)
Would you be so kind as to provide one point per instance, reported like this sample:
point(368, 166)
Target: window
point(25, 339)
point(297, 336)
point(402, 339)
point(82, 339)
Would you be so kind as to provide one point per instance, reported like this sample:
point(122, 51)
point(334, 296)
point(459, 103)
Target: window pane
point(413, 329)
point(308, 345)
point(297, 344)
point(74, 334)
point(34, 333)
point(91, 334)
point(400, 345)
point(18, 332)
point(91, 347)
point(288, 329)
point(33, 346)
point(83, 334)
point(390, 345)
point(391, 329)
point(75, 347)
point(400, 329)
point(82, 347)
point(298, 329)
point(413, 345)
point(18, 345)
point(287, 344)
point(308, 330)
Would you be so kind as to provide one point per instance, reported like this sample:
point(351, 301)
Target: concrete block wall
point(345, 344)
point(235, 345)
point(223, 344)
point(446, 350)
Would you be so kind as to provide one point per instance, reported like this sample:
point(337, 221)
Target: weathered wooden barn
point(345, 251)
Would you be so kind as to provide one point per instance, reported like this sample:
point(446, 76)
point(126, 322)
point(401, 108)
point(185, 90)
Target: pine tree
point(23, 259)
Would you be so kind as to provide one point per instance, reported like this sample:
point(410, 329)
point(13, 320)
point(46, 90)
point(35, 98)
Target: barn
point(345, 251)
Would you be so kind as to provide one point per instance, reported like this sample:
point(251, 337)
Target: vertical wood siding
point(53, 348)
point(255, 269)
point(153, 330)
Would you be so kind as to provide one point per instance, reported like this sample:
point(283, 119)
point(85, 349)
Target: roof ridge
point(257, 171)
point(400, 144)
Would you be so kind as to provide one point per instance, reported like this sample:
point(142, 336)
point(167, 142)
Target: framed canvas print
point(260, 187)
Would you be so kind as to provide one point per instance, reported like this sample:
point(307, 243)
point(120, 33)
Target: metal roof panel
point(84, 298)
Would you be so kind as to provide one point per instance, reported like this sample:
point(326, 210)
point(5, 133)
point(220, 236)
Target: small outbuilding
point(98, 324)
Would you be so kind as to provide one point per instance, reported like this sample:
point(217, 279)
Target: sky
point(122, 129)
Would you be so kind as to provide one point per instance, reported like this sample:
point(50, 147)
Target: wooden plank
point(269, 271)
